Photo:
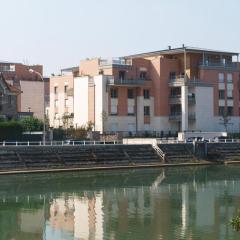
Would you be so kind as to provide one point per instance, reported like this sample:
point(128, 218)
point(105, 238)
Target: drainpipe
point(136, 110)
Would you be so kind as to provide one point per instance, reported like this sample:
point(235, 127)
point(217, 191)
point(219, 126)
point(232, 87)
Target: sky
point(59, 33)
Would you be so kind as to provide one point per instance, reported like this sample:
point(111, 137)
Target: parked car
point(196, 139)
point(73, 142)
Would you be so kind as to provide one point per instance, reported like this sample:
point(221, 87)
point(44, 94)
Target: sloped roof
point(181, 50)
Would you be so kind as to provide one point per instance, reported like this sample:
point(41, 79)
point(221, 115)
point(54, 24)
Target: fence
point(57, 143)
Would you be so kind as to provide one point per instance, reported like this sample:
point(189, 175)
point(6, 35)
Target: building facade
point(61, 99)
point(34, 89)
point(174, 90)
point(8, 100)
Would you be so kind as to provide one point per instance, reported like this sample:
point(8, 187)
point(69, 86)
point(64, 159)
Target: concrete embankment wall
point(42, 157)
point(113, 156)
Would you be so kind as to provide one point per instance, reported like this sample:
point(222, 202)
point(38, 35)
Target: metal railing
point(115, 81)
point(211, 64)
point(115, 61)
point(58, 143)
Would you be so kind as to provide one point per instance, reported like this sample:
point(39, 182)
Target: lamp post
point(44, 118)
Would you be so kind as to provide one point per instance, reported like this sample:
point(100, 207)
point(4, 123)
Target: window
point(130, 110)
point(65, 88)
point(121, 75)
point(56, 103)
point(172, 75)
point(130, 93)
point(56, 116)
point(113, 110)
point(143, 75)
point(146, 94)
point(114, 93)
point(55, 90)
point(221, 77)
point(230, 111)
point(66, 103)
point(229, 78)
point(221, 111)
point(229, 94)
point(221, 94)
point(146, 111)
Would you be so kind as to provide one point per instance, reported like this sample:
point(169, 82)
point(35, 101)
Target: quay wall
point(21, 158)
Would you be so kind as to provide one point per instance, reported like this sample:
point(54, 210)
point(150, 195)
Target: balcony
point(125, 82)
point(176, 99)
point(181, 81)
point(219, 65)
point(69, 92)
point(115, 62)
point(177, 116)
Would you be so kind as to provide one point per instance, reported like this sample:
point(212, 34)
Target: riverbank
point(37, 159)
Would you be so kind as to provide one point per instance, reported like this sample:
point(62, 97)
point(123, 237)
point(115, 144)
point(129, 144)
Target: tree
point(104, 118)
point(225, 120)
point(31, 124)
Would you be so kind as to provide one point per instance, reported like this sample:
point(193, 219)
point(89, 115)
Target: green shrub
point(235, 222)
point(10, 131)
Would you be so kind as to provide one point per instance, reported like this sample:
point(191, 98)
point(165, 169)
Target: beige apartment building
point(61, 99)
point(178, 89)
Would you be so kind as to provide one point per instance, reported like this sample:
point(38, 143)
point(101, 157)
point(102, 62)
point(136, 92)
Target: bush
point(31, 124)
point(10, 131)
point(235, 222)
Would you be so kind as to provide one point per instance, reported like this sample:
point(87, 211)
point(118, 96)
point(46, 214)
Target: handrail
point(58, 143)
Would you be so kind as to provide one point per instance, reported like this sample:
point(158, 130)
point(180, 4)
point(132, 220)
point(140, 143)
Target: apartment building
point(177, 89)
point(34, 89)
point(61, 99)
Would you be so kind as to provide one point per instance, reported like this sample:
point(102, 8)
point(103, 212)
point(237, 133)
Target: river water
point(171, 203)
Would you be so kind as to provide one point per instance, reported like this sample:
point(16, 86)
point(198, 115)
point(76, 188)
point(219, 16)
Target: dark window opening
point(146, 111)
point(122, 75)
point(230, 111)
point(114, 93)
point(221, 111)
point(146, 94)
point(143, 75)
point(130, 93)
point(172, 75)
point(221, 94)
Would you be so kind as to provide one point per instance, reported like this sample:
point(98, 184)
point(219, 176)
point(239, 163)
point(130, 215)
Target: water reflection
point(175, 203)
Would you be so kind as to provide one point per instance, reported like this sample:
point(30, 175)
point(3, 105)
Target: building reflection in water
point(149, 204)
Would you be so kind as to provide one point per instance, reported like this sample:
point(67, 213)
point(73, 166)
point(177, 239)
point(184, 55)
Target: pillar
point(184, 101)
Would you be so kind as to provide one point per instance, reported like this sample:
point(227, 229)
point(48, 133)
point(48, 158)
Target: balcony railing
point(176, 99)
point(70, 92)
point(115, 61)
point(177, 116)
point(230, 65)
point(181, 81)
point(125, 82)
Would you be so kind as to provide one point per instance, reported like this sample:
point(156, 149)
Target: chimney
point(169, 47)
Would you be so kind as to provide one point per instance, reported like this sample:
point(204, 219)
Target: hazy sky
point(58, 33)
